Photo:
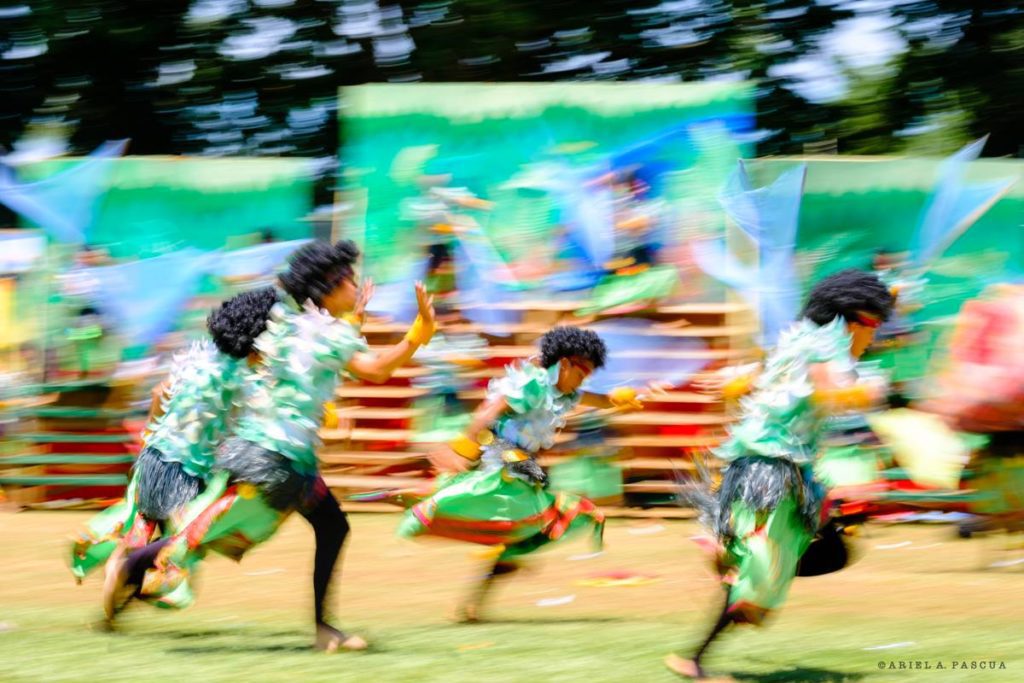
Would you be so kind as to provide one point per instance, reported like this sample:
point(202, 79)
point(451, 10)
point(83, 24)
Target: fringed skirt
point(766, 513)
point(506, 506)
point(163, 486)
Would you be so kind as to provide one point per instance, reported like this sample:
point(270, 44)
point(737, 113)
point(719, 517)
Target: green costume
point(768, 508)
point(269, 468)
point(176, 460)
point(505, 500)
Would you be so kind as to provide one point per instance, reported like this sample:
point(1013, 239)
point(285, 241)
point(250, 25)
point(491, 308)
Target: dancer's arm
point(836, 391)
point(465, 450)
point(156, 402)
point(625, 399)
point(380, 367)
point(729, 383)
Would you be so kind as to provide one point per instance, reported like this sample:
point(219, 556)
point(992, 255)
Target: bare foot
point(467, 614)
point(116, 591)
point(330, 640)
point(690, 669)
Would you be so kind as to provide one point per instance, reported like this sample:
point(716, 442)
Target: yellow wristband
point(736, 388)
point(623, 396)
point(420, 333)
point(466, 447)
point(330, 420)
point(352, 319)
point(854, 397)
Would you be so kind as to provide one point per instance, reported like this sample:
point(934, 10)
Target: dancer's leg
point(330, 527)
point(231, 525)
point(469, 610)
point(94, 546)
point(691, 668)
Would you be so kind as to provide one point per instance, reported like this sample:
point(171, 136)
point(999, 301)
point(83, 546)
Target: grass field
point(918, 594)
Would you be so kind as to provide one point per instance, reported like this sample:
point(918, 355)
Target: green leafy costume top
point(779, 419)
point(537, 409)
point(197, 406)
point(304, 352)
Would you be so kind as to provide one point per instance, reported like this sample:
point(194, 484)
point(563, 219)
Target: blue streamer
point(256, 261)
point(144, 298)
point(64, 204)
point(954, 204)
point(770, 217)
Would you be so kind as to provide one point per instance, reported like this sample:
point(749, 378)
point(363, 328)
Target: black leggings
point(330, 526)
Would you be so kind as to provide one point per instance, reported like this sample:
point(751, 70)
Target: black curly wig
point(846, 293)
point(315, 269)
point(572, 342)
point(236, 323)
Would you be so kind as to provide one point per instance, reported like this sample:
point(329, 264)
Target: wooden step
point(724, 308)
point(67, 459)
point(653, 486)
point(663, 441)
point(366, 434)
point(64, 480)
point(364, 483)
point(364, 413)
point(635, 464)
point(665, 464)
point(685, 331)
point(651, 513)
point(527, 351)
point(370, 457)
point(629, 441)
point(367, 507)
point(69, 437)
point(567, 306)
point(683, 397)
point(361, 391)
point(667, 397)
point(655, 418)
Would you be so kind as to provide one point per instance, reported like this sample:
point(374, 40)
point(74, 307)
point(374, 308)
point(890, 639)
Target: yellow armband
point(466, 447)
point(354, 320)
point(420, 333)
point(330, 415)
point(469, 449)
point(738, 387)
point(852, 398)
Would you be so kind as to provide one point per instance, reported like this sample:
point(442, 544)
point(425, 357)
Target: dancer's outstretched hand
point(366, 290)
point(444, 459)
point(425, 306)
point(654, 389)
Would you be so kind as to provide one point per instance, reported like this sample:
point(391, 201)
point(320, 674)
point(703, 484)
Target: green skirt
point(94, 546)
point(495, 508)
point(228, 520)
point(124, 523)
point(761, 558)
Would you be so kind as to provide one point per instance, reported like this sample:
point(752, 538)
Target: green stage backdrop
point(486, 135)
point(155, 203)
point(855, 205)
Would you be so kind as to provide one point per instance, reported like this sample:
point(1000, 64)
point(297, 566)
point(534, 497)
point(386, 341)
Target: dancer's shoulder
point(524, 386)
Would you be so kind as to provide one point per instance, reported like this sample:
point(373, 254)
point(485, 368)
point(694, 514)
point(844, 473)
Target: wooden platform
point(655, 445)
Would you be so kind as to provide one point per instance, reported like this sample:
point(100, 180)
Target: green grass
point(251, 620)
